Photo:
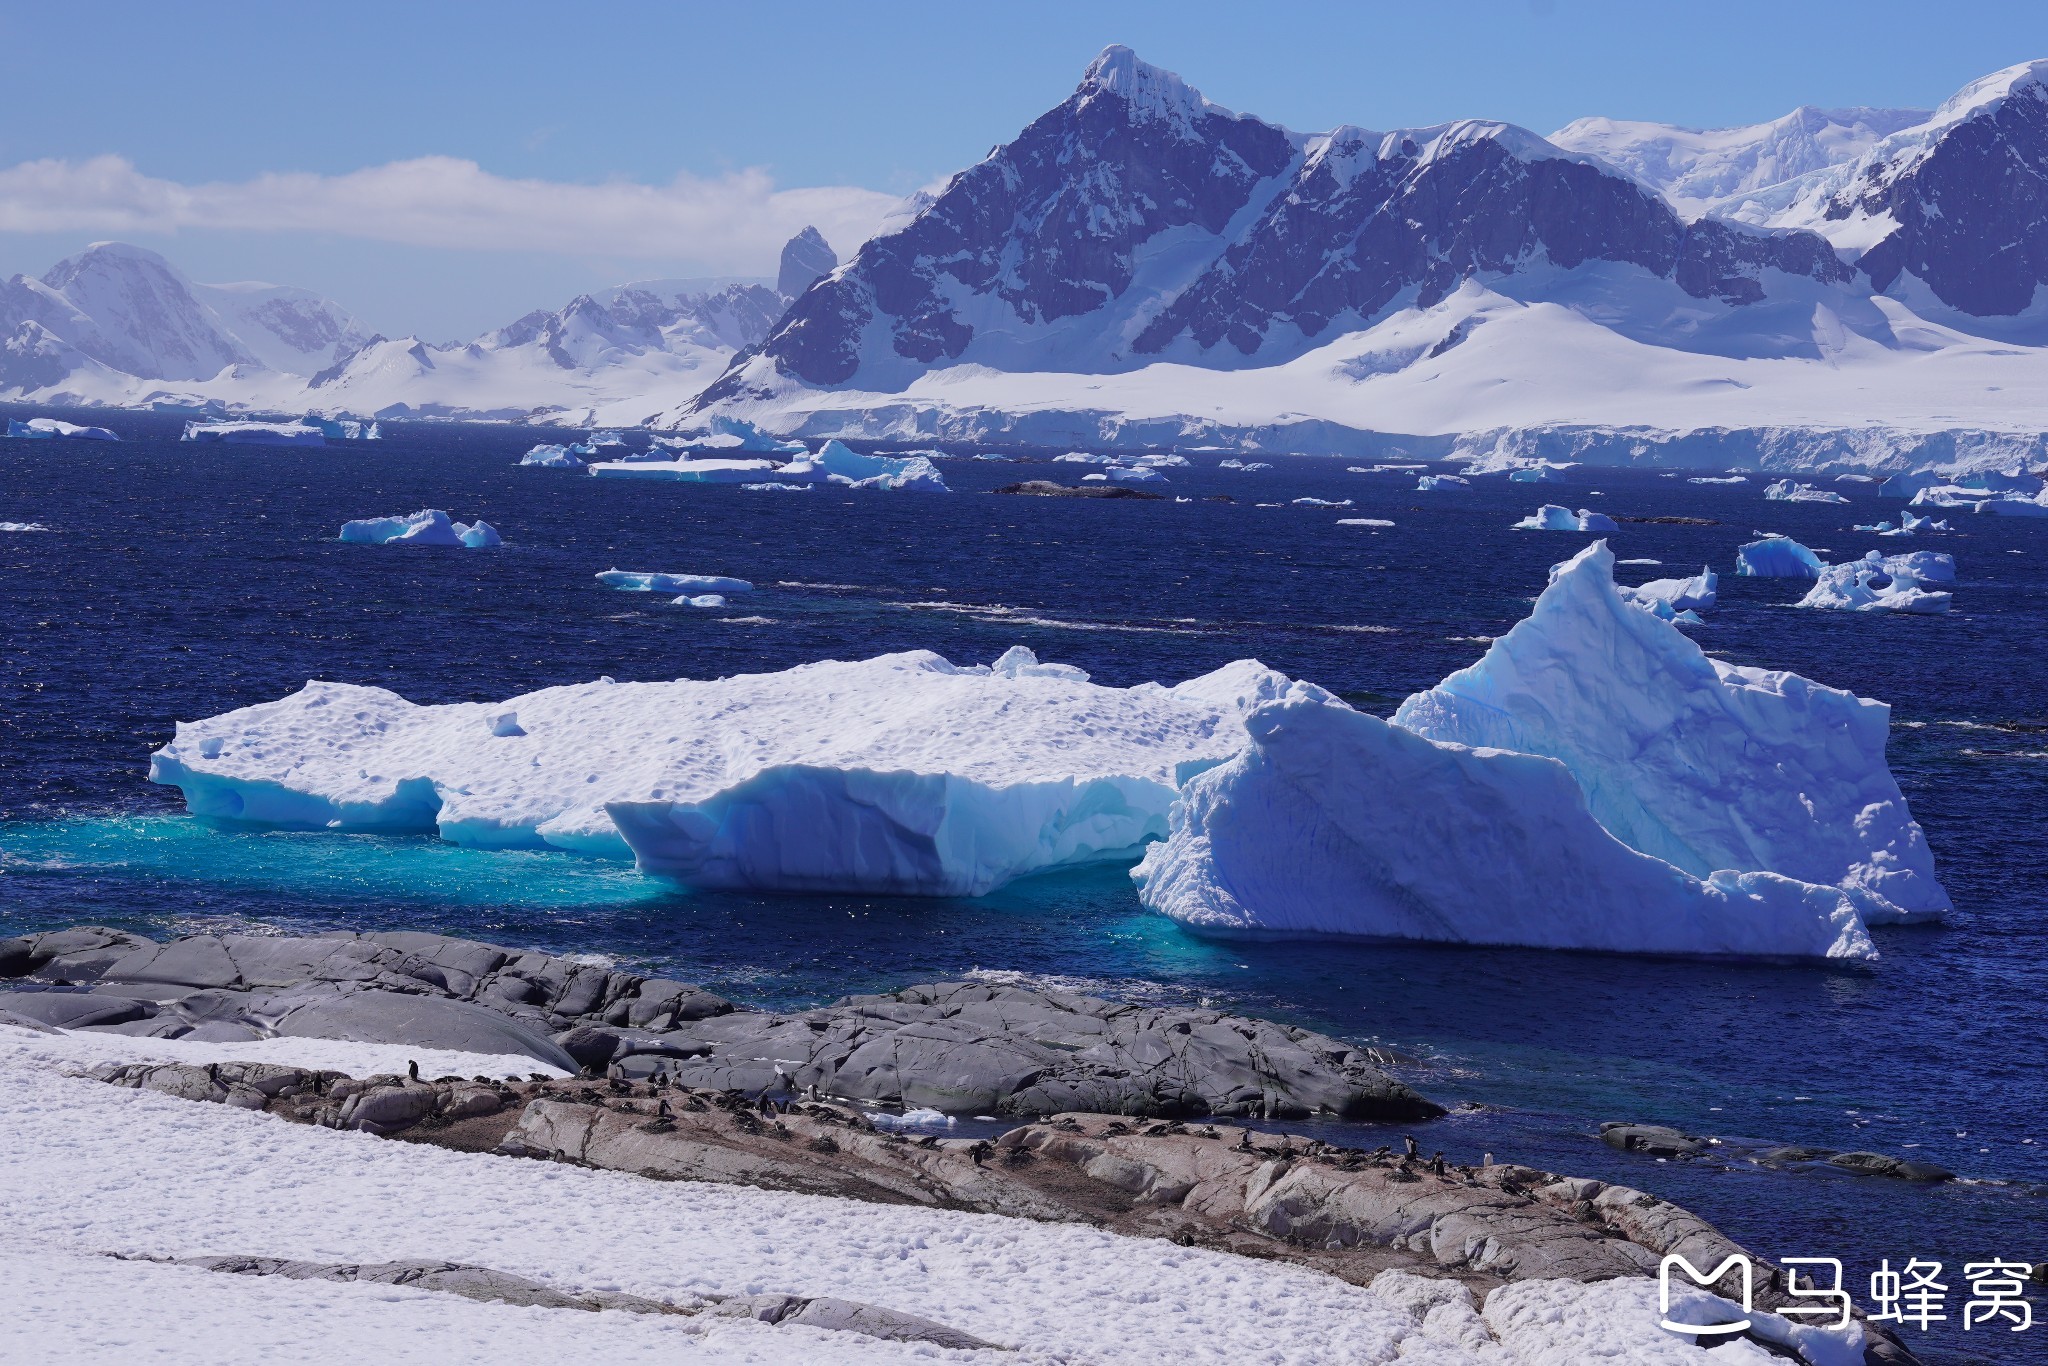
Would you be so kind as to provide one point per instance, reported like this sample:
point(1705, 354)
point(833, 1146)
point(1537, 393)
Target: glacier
point(1706, 765)
point(429, 526)
point(1777, 557)
point(633, 581)
point(1335, 822)
point(1551, 517)
point(900, 774)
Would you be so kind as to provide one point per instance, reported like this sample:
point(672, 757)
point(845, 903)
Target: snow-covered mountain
point(1141, 265)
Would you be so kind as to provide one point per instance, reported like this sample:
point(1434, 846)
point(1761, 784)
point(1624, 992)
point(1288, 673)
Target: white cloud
point(732, 224)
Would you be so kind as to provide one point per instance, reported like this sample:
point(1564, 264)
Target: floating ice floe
point(49, 428)
point(631, 581)
point(255, 433)
point(1551, 517)
point(1777, 557)
point(1322, 503)
point(1997, 504)
point(558, 456)
point(1437, 483)
point(773, 487)
point(1363, 521)
point(838, 463)
point(1083, 458)
point(1247, 466)
point(23, 526)
point(902, 774)
point(700, 600)
point(1538, 474)
point(1706, 765)
point(429, 526)
point(1786, 491)
point(1719, 479)
point(1880, 583)
point(1680, 600)
point(688, 471)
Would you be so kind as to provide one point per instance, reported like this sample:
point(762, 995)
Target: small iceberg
point(1245, 466)
point(1551, 517)
point(1877, 583)
point(1719, 479)
point(255, 433)
point(558, 457)
point(1538, 474)
point(344, 428)
point(1363, 521)
point(700, 600)
point(430, 526)
point(49, 428)
point(1777, 557)
point(1680, 600)
point(1322, 503)
point(1439, 483)
point(1786, 491)
point(772, 487)
point(631, 581)
point(737, 436)
point(838, 463)
point(687, 471)
point(23, 526)
point(1083, 458)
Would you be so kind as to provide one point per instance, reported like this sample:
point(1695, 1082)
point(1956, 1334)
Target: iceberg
point(23, 526)
point(739, 435)
point(1877, 583)
point(1246, 466)
point(1322, 503)
point(1437, 483)
point(255, 433)
point(1777, 557)
point(48, 428)
point(839, 463)
point(558, 457)
point(1719, 479)
point(1551, 517)
point(1786, 491)
point(700, 600)
point(429, 526)
point(1335, 822)
point(1363, 521)
point(629, 581)
point(1907, 485)
point(1676, 599)
point(1538, 474)
point(1706, 765)
point(773, 487)
point(686, 471)
point(343, 428)
point(1134, 474)
point(902, 774)
point(1083, 458)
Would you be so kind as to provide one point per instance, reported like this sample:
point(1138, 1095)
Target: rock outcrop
point(961, 1047)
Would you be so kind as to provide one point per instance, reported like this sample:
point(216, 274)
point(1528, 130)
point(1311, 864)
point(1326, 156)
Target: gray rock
point(73, 955)
point(421, 1022)
point(1657, 1140)
point(74, 1009)
point(1046, 488)
point(1899, 1169)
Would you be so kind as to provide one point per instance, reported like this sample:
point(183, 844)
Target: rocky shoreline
point(1119, 1107)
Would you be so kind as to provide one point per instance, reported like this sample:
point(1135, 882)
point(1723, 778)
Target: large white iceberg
point(632, 581)
point(1707, 765)
point(899, 774)
point(429, 526)
point(1335, 822)
point(1777, 557)
point(841, 464)
point(255, 433)
point(50, 428)
point(1551, 517)
point(1786, 491)
point(1879, 583)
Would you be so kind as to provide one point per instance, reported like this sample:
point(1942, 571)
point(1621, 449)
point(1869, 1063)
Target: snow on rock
point(255, 433)
point(1437, 483)
point(1551, 517)
point(1336, 822)
point(1706, 765)
point(1777, 557)
point(900, 774)
point(839, 463)
point(558, 457)
point(50, 427)
point(429, 526)
point(1672, 599)
point(1786, 491)
point(1877, 583)
point(632, 581)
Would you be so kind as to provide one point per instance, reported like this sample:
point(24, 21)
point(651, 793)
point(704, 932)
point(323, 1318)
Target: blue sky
point(707, 122)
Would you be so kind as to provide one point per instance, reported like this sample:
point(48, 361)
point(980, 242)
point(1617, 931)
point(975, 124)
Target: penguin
point(412, 1070)
point(1410, 1145)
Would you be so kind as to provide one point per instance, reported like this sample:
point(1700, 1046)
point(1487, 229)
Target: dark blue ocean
point(180, 581)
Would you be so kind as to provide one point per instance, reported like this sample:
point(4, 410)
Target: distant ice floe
point(1538, 474)
point(1246, 466)
point(49, 428)
point(255, 433)
point(1551, 517)
point(1322, 503)
point(1719, 479)
point(902, 774)
point(1363, 521)
point(1909, 525)
point(1999, 503)
point(24, 526)
point(834, 463)
point(429, 526)
point(1083, 458)
point(700, 600)
point(634, 581)
point(1777, 557)
point(1884, 583)
point(1438, 483)
point(773, 487)
point(1787, 491)
point(555, 456)
point(1593, 782)
point(737, 470)
point(1680, 600)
